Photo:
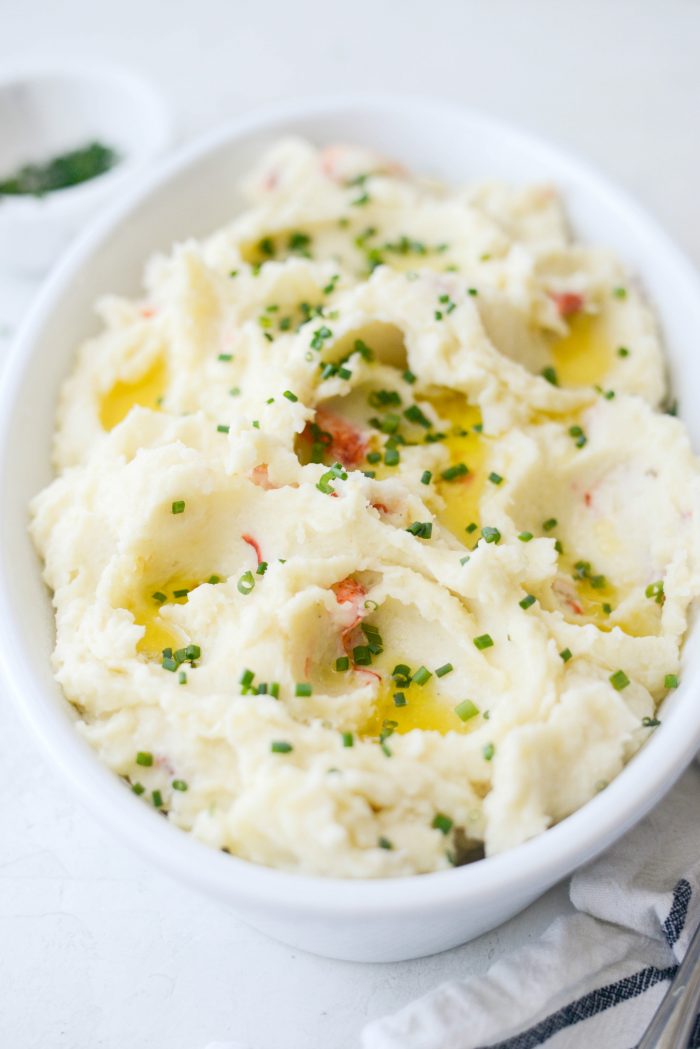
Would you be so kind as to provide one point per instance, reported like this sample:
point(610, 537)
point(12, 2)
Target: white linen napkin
point(593, 980)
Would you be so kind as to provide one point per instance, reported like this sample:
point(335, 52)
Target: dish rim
point(537, 862)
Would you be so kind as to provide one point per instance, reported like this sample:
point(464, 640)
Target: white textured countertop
point(98, 950)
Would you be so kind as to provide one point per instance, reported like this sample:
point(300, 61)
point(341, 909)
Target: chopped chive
point(246, 583)
point(399, 699)
point(182, 677)
point(391, 457)
point(235, 391)
point(159, 597)
point(362, 656)
point(607, 608)
point(426, 477)
point(453, 472)
point(178, 507)
point(650, 722)
point(495, 478)
point(246, 678)
point(620, 293)
point(525, 537)
point(280, 746)
point(490, 534)
point(415, 415)
point(550, 375)
point(181, 593)
point(488, 751)
point(213, 579)
point(446, 668)
point(483, 641)
point(656, 591)
point(527, 601)
point(179, 784)
point(290, 396)
point(138, 788)
point(303, 688)
point(409, 377)
point(262, 568)
point(422, 675)
point(671, 681)
point(342, 663)
point(421, 529)
point(157, 798)
point(619, 680)
point(274, 689)
point(466, 710)
point(225, 357)
point(565, 655)
point(622, 351)
point(348, 739)
point(442, 823)
point(471, 527)
point(549, 524)
point(145, 758)
point(463, 560)
point(374, 457)
point(384, 843)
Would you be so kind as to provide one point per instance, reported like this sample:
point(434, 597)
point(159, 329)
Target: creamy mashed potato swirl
point(372, 547)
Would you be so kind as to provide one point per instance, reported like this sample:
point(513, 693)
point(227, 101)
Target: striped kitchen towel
point(594, 979)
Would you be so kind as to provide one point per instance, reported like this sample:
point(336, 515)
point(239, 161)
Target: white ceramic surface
point(195, 192)
point(48, 109)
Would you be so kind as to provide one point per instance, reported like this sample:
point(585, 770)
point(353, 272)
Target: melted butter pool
point(145, 392)
point(427, 708)
point(464, 445)
point(583, 357)
point(146, 610)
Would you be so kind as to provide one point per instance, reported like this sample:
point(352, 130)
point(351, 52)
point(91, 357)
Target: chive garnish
point(619, 680)
point(178, 507)
point(290, 396)
point(442, 823)
point(426, 476)
point(483, 641)
point(246, 583)
point(446, 668)
point(421, 529)
point(650, 722)
point(145, 758)
point(550, 375)
point(549, 524)
point(179, 784)
point(303, 688)
point(138, 788)
point(453, 472)
point(384, 843)
point(157, 798)
point(490, 534)
point(399, 699)
point(348, 739)
point(565, 655)
point(280, 746)
point(525, 537)
point(527, 601)
point(495, 478)
point(342, 663)
point(422, 675)
point(488, 751)
point(671, 681)
point(466, 710)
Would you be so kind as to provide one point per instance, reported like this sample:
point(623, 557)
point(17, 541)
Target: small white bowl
point(49, 109)
point(380, 920)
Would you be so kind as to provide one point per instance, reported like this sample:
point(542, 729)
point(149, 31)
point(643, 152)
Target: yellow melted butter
point(158, 632)
point(145, 392)
point(426, 708)
point(463, 495)
point(582, 357)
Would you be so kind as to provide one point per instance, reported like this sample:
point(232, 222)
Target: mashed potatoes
point(371, 545)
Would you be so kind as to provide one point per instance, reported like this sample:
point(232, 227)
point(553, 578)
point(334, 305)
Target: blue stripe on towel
point(612, 994)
